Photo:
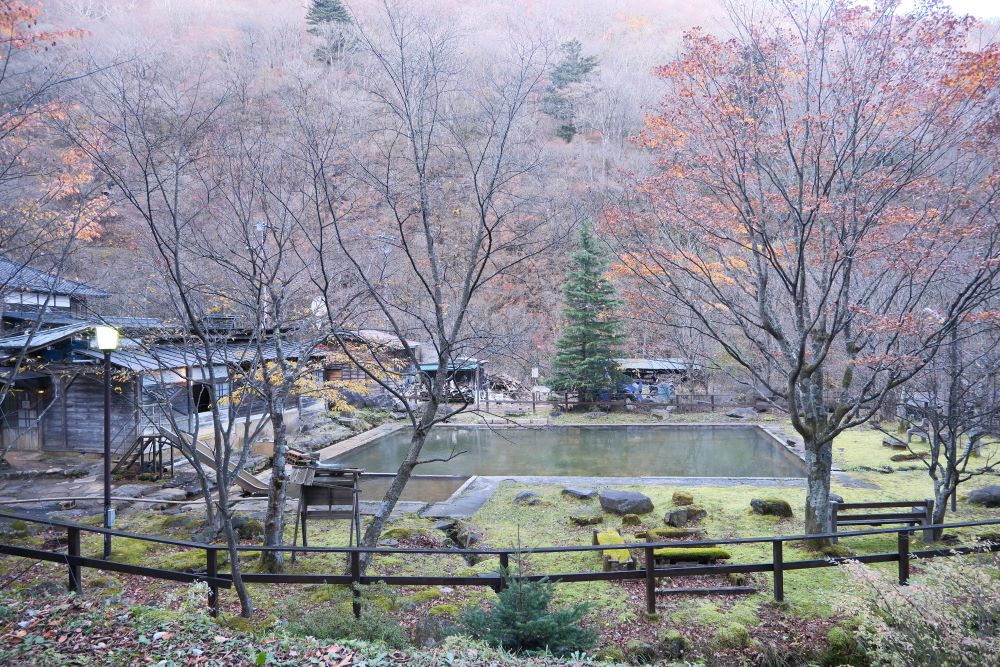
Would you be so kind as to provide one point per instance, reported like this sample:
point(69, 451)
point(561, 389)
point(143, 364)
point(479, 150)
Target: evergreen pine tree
point(322, 12)
point(521, 620)
point(561, 97)
point(327, 19)
point(584, 359)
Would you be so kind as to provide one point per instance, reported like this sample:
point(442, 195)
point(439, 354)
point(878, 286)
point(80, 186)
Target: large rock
point(431, 630)
point(988, 496)
point(893, 443)
point(742, 413)
point(682, 516)
point(579, 492)
point(771, 507)
point(625, 502)
point(682, 498)
point(526, 498)
point(466, 535)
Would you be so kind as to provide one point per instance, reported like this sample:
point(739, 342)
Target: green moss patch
point(692, 553)
point(613, 537)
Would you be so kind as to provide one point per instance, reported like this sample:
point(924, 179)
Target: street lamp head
point(107, 338)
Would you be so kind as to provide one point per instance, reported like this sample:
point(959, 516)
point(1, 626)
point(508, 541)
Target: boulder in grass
point(771, 507)
point(587, 518)
point(579, 492)
point(526, 498)
point(681, 498)
point(625, 502)
point(631, 520)
point(682, 516)
point(742, 413)
point(988, 496)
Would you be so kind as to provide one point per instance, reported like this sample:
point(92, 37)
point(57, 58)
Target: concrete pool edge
point(359, 440)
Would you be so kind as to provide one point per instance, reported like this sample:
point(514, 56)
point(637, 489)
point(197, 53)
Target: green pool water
point(584, 451)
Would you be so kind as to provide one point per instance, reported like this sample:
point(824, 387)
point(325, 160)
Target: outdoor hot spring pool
point(587, 451)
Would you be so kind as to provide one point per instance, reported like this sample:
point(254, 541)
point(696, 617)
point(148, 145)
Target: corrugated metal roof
point(18, 276)
point(672, 364)
point(161, 357)
point(465, 365)
point(43, 338)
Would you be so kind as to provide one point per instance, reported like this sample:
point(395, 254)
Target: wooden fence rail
point(777, 566)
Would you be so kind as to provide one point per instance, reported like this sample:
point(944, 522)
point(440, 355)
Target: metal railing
point(215, 579)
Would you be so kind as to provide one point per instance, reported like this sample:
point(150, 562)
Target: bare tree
point(818, 177)
point(957, 410)
point(434, 199)
point(151, 134)
point(48, 200)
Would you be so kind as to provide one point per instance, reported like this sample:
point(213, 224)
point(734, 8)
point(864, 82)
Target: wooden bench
point(613, 559)
point(850, 515)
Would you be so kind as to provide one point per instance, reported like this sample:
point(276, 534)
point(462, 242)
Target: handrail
point(497, 552)
point(215, 579)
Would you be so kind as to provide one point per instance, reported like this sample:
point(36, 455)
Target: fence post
point(711, 400)
point(834, 508)
point(212, 569)
point(779, 570)
point(355, 582)
point(904, 557)
point(650, 582)
point(504, 566)
point(73, 550)
point(929, 520)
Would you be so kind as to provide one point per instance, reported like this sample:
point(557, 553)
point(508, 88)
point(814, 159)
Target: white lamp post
point(107, 342)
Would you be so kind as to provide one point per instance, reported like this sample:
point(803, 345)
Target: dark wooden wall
point(76, 421)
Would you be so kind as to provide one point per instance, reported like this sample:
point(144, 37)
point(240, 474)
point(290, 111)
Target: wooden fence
point(777, 566)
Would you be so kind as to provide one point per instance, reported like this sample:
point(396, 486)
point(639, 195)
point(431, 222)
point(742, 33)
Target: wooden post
point(779, 572)
point(711, 400)
point(212, 569)
point(904, 557)
point(73, 549)
point(929, 520)
point(505, 570)
point(356, 582)
point(834, 508)
point(650, 582)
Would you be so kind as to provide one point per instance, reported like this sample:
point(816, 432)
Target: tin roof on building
point(18, 276)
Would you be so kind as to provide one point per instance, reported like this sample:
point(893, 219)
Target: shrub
point(843, 649)
point(521, 621)
point(426, 595)
point(327, 623)
point(734, 635)
point(948, 614)
point(332, 618)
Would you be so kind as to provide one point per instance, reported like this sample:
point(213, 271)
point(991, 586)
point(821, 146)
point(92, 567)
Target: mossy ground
point(617, 608)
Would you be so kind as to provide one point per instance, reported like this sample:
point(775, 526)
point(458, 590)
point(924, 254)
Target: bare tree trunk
point(400, 481)
point(819, 462)
point(274, 519)
point(225, 513)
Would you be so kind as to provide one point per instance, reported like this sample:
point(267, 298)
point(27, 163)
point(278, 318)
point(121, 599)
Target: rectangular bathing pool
point(588, 451)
